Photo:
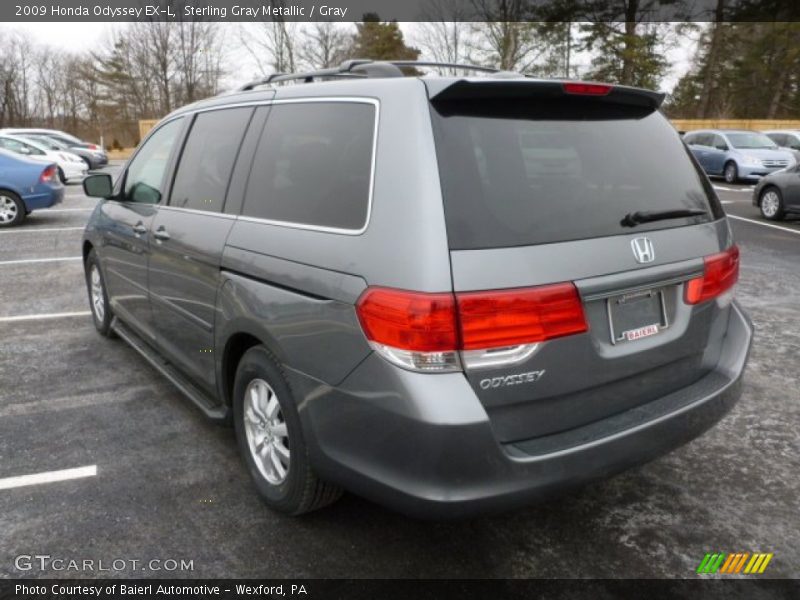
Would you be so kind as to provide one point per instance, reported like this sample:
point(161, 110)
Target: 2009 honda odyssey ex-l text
point(447, 294)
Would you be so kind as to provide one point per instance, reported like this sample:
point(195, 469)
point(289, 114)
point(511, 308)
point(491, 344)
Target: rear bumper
point(53, 196)
point(426, 447)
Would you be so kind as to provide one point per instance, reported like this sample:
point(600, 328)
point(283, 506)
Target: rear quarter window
point(313, 165)
point(522, 173)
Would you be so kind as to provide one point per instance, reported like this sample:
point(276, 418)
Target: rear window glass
point(516, 174)
point(313, 165)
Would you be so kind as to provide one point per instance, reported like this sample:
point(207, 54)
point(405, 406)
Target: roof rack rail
point(370, 68)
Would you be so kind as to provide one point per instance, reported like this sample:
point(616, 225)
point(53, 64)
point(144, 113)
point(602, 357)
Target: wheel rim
point(98, 300)
point(730, 173)
point(267, 435)
point(770, 204)
point(8, 209)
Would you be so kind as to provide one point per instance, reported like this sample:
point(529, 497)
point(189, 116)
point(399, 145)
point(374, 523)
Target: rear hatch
point(587, 191)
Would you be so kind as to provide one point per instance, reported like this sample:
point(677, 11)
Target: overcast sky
point(81, 36)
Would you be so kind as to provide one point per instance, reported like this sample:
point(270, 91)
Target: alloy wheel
point(267, 435)
point(98, 299)
point(770, 203)
point(8, 209)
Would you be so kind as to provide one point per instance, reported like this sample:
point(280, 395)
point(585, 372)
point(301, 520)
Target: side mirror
point(98, 186)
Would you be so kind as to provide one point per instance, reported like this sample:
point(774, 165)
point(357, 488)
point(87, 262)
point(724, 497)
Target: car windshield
point(47, 142)
point(751, 141)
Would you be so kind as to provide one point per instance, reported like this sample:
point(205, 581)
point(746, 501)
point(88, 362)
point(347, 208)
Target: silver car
point(737, 154)
point(447, 294)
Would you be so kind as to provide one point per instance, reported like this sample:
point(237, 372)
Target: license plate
point(636, 315)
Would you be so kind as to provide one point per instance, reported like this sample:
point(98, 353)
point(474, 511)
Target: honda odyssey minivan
point(446, 294)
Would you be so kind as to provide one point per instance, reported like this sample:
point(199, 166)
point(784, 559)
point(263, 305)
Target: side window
point(207, 160)
point(313, 165)
point(719, 143)
point(703, 139)
point(690, 139)
point(793, 141)
point(778, 138)
point(145, 175)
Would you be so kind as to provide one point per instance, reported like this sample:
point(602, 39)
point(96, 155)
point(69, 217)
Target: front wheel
point(771, 204)
point(731, 173)
point(98, 297)
point(270, 437)
point(61, 176)
point(12, 209)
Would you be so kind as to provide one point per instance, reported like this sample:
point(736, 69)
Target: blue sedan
point(26, 185)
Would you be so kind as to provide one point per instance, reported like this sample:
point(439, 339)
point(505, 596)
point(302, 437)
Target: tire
point(731, 172)
point(267, 425)
point(12, 209)
point(61, 176)
point(88, 164)
point(771, 204)
point(98, 296)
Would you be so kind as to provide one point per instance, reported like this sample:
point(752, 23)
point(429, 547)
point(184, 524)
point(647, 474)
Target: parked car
point(736, 154)
point(26, 185)
point(786, 139)
point(778, 194)
point(92, 154)
point(70, 166)
point(395, 285)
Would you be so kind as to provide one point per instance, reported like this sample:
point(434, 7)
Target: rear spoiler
point(442, 90)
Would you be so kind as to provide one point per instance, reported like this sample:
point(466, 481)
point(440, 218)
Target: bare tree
point(443, 36)
point(324, 44)
point(272, 46)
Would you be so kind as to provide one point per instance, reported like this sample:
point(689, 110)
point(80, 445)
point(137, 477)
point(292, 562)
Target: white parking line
point(38, 260)
point(48, 477)
point(42, 317)
point(35, 229)
point(727, 189)
point(60, 210)
point(787, 229)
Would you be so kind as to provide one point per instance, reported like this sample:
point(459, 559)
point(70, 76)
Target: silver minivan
point(447, 294)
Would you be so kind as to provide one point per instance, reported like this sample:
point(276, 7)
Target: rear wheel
point(771, 204)
point(61, 175)
point(88, 164)
point(271, 440)
point(731, 172)
point(12, 209)
point(98, 297)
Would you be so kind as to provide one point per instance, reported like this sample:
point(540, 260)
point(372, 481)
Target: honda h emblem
point(643, 250)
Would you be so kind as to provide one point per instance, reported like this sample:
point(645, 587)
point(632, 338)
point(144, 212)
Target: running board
point(178, 379)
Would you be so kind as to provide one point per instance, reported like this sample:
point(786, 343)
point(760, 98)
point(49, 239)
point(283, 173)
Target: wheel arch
point(235, 346)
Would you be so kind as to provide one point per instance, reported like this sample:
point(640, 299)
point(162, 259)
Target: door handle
point(161, 234)
point(139, 228)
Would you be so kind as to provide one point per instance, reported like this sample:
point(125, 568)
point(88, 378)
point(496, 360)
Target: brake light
point(93, 147)
point(48, 175)
point(587, 89)
point(426, 332)
point(519, 316)
point(721, 272)
point(409, 320)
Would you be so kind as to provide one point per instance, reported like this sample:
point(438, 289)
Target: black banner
point(355, 589)
point(407, 10)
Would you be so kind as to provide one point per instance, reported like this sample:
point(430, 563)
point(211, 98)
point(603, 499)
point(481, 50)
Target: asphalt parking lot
point(170, 485)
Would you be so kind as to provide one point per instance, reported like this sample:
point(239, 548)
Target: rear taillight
point(93, 147)
point(720, 274)
point(587, 89)
point(48, 175)
point(427, 332)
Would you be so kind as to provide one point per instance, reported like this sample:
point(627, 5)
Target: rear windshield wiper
point(646, 216)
